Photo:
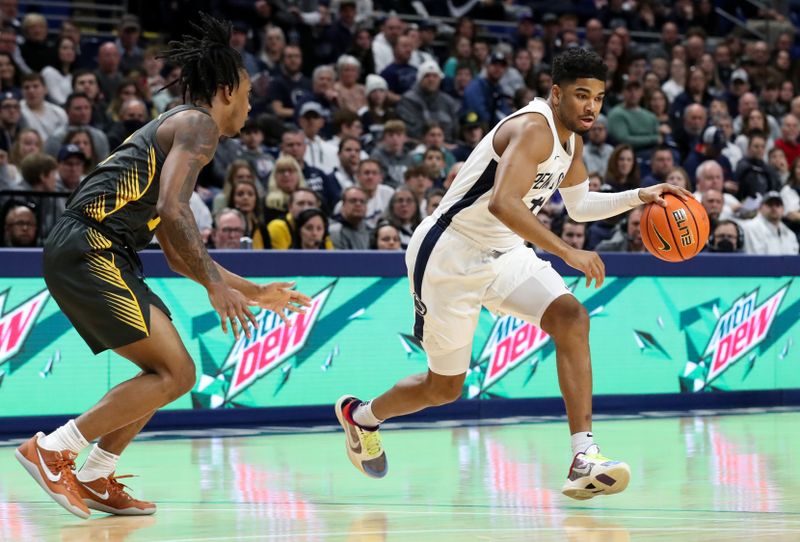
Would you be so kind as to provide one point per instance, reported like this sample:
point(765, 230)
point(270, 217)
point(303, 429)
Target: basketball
point(676, 232)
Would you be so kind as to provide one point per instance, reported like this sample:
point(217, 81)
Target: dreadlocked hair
point(207, 62)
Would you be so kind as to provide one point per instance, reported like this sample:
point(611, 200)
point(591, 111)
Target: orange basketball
point(675, 233)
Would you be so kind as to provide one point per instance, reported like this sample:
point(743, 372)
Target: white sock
point(99, 464)
point(583, 443)
point(66, 437)
point(364, 417)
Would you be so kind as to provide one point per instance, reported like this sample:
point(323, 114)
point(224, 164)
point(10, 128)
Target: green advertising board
point(649, 335)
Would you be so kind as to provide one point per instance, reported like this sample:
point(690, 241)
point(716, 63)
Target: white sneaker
point(363, 447)
point(593, 474)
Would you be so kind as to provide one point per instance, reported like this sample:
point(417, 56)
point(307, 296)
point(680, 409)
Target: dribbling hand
point(231, 305)
point(588, 263)
point(653, 194)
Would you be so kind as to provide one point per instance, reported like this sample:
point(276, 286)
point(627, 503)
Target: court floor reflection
point(709, 478)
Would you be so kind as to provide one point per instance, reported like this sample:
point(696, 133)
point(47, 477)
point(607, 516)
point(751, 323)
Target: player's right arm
point(523, 143)
point(193, 146)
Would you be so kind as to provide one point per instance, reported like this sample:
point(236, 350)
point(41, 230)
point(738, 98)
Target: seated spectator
point(378, 110)
point(595, 181)
point(319, 153)
point(58, 77)
point(72, 165)
point(709, 147)
point(42, 116)
point(433, 161)
point(678, 177)
point(472, 131)
point(661, 164)
point(631, 124)
point(86, 82)
point(243, 197)
point(311, 231)
point(39, 174)
point(128, 89)
point(346, 123)
point(10, 75)
point(419, 181)
point(623, 170)
point(293, 143)
point(108, 73)
point(788, 142)
point(20, 227)
point(391, 154)
point(344, 174)
point(324, 95)
point(370, 179)
point(426, 103)
point(238, 170)
point(385, 237)
point(282, 230)
point(753, 176)
point(403, 213)
point(433, 136)
point(351, 94)
point(79, 116)
point(484, 95)
point(627, 237)
point(132, 115)
point(82, 138)
point(791, 197)
point(766, 233)
point(596, 152)
point(252, 149)
point(573, 233)
point(709, 177)
point(284, 179)
point(10, 118)
point(229, 228)
point(400, 75)
point(350, 232)
point(290, 86)
point(28, 142)
point(689, 130)
point(37, 50)
point(726, 236)
point(777, 161)
point(755, 122)
point(713, 202)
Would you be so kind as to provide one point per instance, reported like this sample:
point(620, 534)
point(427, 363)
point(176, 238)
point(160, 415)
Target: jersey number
point(536, 205)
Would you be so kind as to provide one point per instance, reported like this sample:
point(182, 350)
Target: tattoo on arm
point(196, 138)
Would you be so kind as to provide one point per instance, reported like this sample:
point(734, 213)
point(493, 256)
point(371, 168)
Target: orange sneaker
point(55, 472)
point(109, 496)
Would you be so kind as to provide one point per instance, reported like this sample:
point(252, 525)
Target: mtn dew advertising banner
point(649, 335)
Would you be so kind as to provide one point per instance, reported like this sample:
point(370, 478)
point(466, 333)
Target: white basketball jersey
point(465, 206)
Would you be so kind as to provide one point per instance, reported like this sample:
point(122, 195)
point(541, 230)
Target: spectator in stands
point(324, 95)
point(696, 93)
point(344, 174)
point(662, 163)
point(433, 161)
point(627, 236)
point(42, 116)
point(432, 200)
point(20, 227)
point(656, 102)
point(791, 198)
point(676, 83)
point(727, 236)
point(152, 67)
point(8, 45)
point(623, 170)
point(39, 174)
point(10, 117)
point(28, 142)
point(252, 150)
point(709, 176)
point(433, 136)
point(788, 142)
point(293, 143)
point(460, 55)
point(79, 116)
point(272, 49)
point(312, 230)
point(131, 55)
point(238, 41)
point(58, 78)
point(385, 237)
point(777, 161)
point(596, 151)
point(472, 131)
point(425, 102)
point(695, 118)
point(72, 163)
point(229, 228)
point(290, 85)
point(361, 49)
point(714, 203)
point(37, 50)
point(384, 43)
point(319, 153)
point(403, 213)
point(350, 232)
point(281, 230)
point(237, 170)
point(243, 197)
point(10, 75)
point(391, 153)
point(573, 233)
point(128, 89)
point(400, 75)
point(456, 86)
point(754, 122)
point(132, 115)
point(753, 176)
point(678, 177)
point(747, 103)
point(285, 178)
point(484, 96)
point(108, 73)
point(351, 94)
point(370, 179)
point(733, 153)
point(766, 233)
point(86, 82)
point(338, 35)
point(419, 181)
point(346, 123)
point(709, 147)
point(170, 95)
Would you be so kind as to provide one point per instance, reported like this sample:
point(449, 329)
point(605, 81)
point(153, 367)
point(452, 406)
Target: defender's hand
point(279, 296)
point(231, 305)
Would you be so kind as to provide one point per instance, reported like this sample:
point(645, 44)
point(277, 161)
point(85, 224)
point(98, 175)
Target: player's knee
point(568, 319)
point(444, 390)
point(181, 381)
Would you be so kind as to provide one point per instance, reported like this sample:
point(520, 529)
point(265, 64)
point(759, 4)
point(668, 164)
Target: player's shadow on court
point(369, 527)
point(107, 529)
point(589, 529)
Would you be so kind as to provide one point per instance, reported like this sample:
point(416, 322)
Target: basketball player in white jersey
point(471, 252)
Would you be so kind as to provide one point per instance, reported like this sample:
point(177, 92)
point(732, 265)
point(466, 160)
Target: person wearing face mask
point(726, 237)
point(132, 115)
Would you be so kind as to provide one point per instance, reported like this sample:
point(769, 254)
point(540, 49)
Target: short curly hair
point(577, 63)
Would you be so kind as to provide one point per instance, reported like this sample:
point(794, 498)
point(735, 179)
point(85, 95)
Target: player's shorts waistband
point(113, 237)
point(444, 224)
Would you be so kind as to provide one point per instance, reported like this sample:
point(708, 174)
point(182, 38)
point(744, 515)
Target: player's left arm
point(585, 206)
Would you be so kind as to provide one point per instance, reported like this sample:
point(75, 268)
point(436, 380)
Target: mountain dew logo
point(743, 327)
point(511, 341)
point(17, 324)
point(272, 343)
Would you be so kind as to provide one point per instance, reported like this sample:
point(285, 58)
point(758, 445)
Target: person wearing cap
point(484, 95)
point(753, 175)
point(471, 132)
point(426, 102)
point(710, 147)
point(128, 33)
point(72, 164)
point(290, 86)
point(766, 233)
point(400, 75)
point(597, 150)
point(319, 153)
point(10, 120)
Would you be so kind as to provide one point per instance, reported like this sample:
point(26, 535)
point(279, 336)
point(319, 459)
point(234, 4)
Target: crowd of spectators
point(360, 122)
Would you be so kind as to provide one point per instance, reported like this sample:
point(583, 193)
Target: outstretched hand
point(279, 296)
point(654, 194)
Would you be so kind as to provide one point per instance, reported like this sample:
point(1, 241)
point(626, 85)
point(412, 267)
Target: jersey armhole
point(514, 116)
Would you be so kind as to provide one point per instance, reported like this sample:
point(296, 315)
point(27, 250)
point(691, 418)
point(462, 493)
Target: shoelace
point(118, 488)
point(372, 442)
point(64, 464)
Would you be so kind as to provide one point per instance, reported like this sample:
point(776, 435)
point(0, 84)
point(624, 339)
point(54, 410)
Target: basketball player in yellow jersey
point(472, 252)
point(94, 274)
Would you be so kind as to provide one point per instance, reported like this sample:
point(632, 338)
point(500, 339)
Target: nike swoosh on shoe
point(50, 476)
point(103, 496)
